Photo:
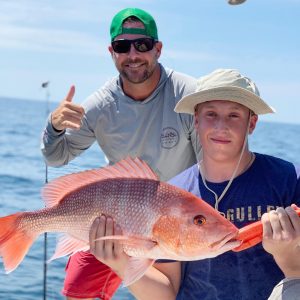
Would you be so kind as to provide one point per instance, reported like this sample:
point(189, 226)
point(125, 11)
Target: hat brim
point(235, 94)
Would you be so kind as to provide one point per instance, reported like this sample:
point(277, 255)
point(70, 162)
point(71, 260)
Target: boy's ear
point(253, 121)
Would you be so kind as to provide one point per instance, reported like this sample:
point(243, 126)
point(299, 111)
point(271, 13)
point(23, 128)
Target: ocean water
point(22, 175)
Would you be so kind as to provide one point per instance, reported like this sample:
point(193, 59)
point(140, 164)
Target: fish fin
point(131, 241)
point(113, 237)
point(14, 241)
point(137, 167)
point(57, 189)
point(68, 244)
point(136, 268)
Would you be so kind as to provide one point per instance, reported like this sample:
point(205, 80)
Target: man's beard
point(137, 77)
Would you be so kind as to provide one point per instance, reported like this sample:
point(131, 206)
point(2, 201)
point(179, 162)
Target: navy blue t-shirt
point(250, 274)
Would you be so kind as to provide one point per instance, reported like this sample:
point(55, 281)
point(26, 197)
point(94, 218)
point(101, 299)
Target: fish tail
point(252, 234)
point(15, 241)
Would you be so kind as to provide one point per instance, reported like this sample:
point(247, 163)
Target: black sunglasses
point(141, 45)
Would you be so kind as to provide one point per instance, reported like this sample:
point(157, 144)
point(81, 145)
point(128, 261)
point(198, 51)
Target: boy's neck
point(220, 171)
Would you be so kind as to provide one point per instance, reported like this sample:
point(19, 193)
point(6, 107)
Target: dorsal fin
point(57, 189)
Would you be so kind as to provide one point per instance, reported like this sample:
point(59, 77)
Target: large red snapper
point(158, 220)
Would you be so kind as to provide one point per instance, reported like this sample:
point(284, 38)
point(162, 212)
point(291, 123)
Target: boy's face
point(221, 127)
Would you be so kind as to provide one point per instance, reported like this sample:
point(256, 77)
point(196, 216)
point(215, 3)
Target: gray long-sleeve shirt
point(148, 129)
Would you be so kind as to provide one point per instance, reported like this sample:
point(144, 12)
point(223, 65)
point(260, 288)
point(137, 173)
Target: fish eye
point(199, 220)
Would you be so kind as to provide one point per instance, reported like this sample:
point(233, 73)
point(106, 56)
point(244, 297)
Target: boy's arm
point(159, 282)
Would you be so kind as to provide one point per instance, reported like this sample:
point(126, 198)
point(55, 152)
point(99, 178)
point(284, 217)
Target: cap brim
point(235, 94)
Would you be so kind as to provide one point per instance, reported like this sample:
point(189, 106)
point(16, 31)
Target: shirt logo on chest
point(169, 138)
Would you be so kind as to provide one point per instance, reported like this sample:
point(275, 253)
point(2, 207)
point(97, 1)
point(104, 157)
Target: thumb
point(71, 94)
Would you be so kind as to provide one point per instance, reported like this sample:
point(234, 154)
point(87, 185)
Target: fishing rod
point(45, 85)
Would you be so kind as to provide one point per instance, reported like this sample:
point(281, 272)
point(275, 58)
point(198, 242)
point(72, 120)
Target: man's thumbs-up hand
point(67, 114)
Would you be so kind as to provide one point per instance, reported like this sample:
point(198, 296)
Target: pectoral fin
point(136, 268)
point(67, 244)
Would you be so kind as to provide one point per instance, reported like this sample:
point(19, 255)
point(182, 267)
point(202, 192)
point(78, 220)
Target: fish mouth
point(228, 242)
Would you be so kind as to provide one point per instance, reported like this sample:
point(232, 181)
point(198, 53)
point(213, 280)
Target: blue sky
point(66, 42)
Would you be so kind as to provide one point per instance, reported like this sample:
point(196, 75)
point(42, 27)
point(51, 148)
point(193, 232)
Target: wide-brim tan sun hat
point(225, 84)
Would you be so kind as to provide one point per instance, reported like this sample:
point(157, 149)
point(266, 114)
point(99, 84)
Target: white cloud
point(32, 25)
point(50, 40)
point(34, 12)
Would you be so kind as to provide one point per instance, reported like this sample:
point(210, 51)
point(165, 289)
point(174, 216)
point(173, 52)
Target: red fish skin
point(134, 204)
point(127, 201)
point(136, 200)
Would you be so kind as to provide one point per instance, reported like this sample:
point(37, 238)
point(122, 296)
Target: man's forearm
point(58, 148)
point(52, 146)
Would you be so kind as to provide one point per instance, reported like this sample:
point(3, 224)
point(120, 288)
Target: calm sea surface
point(22, 175)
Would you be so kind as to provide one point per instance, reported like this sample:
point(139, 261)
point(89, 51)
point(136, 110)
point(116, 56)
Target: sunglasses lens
point(141, 45)
point(121, 46)
point(144, 44)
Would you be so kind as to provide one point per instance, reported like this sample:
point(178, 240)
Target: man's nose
point(132, 51)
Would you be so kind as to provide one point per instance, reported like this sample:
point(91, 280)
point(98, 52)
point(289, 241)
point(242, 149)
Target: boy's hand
point(109, 252)
point(281, 238)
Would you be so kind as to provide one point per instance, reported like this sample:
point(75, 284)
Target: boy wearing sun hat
point(239, 183)
point(242, 185)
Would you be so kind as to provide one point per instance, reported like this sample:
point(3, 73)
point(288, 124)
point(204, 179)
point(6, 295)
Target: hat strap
point(134, 31)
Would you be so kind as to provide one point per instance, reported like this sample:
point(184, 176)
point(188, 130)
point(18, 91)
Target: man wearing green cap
point(131, 115)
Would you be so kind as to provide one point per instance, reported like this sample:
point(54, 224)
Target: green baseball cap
point(116, 27)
